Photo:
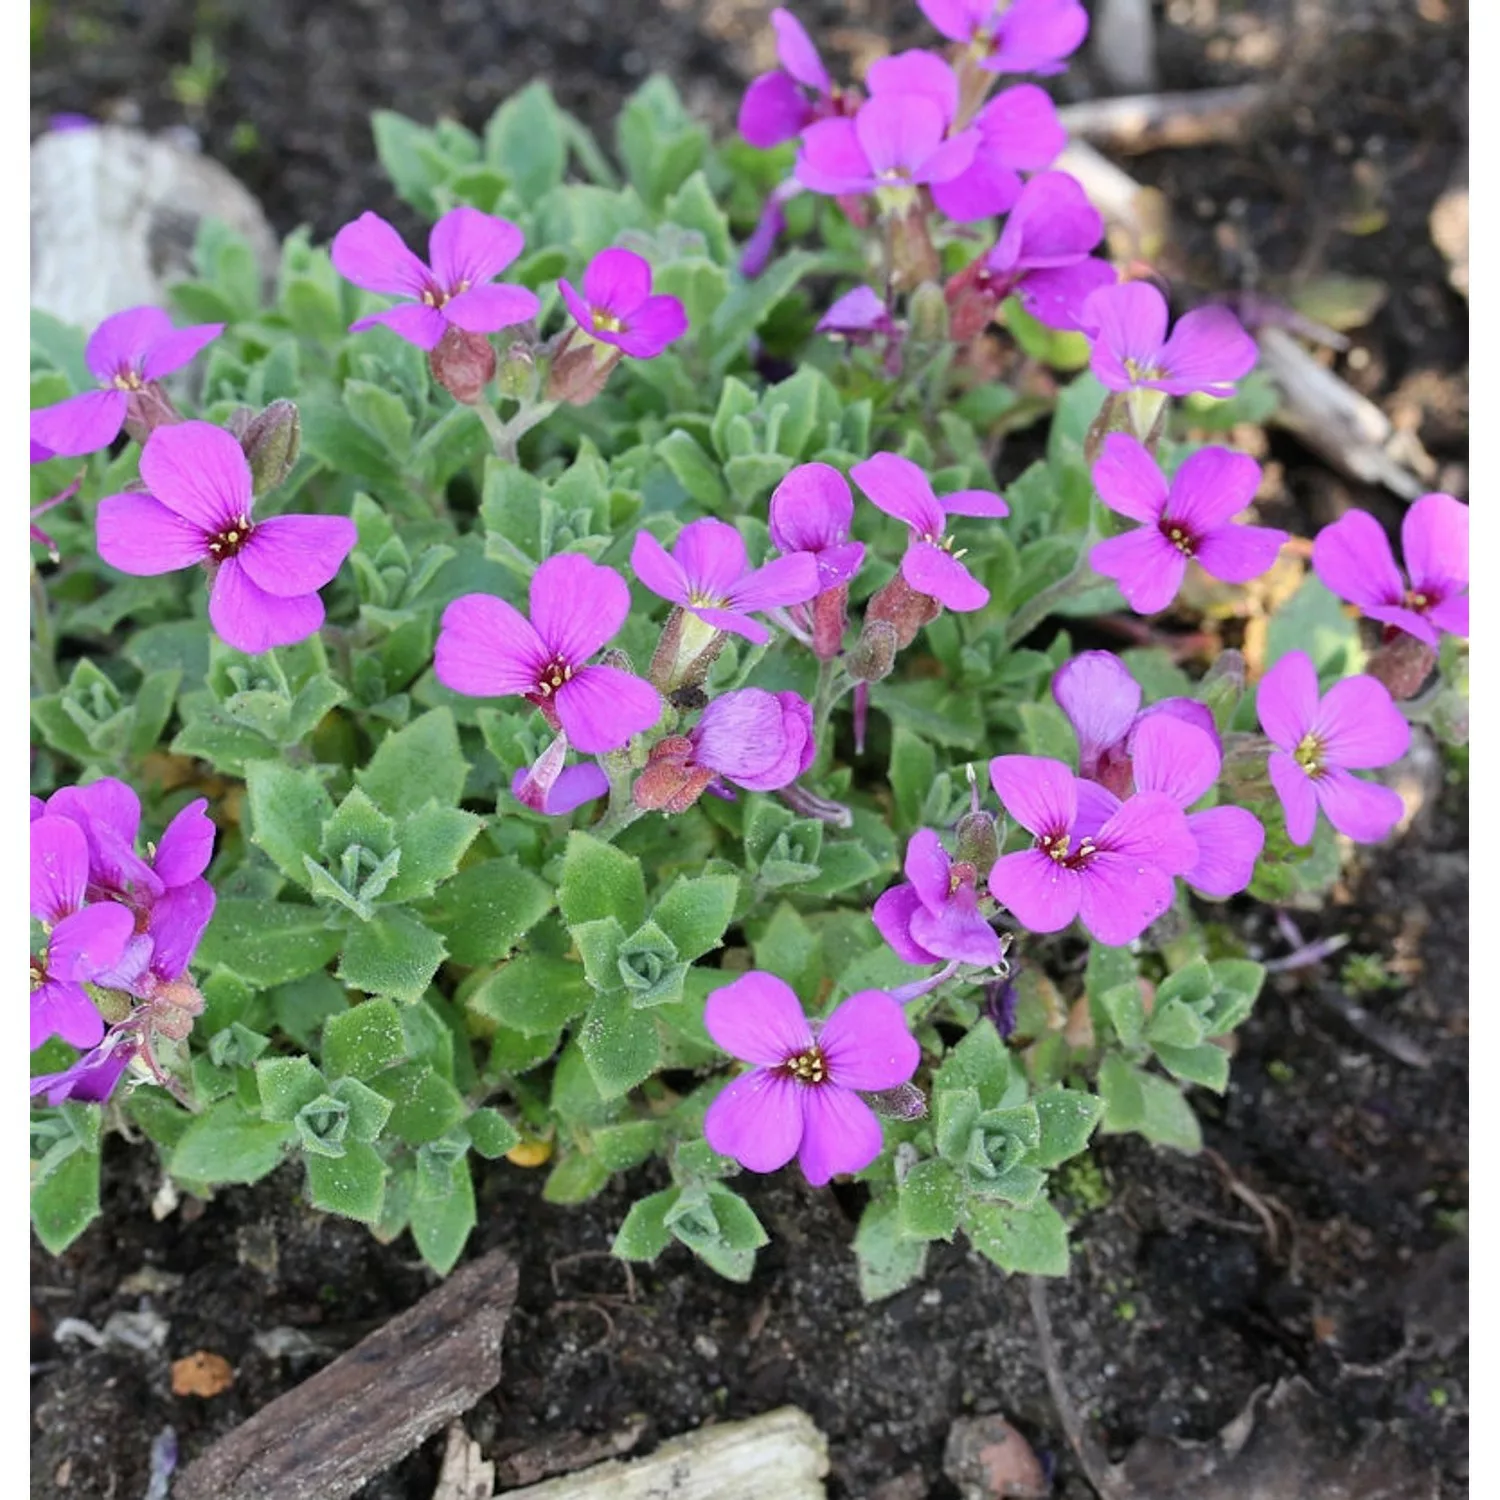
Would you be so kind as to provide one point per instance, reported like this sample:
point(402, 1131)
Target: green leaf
point(1068, 1118)
point(66, 1201)
point(1314, 620)
point(931, 1196)
point(575, 1179)
point(533, 994)
point(913, 768)
point(440, 1226)
point(598, 943)
point(739, 1229)
point(425, 1104)
point(842, 865)
point(1192, 984)
point(694, 470)
point(352, 1184)
point(750, 304)
point(526, 141)
point(267, 942)
point(411, 159)
point(361, 1041)
point(1026, 1241)
point(659, 143)
point(368, 1111)
point(432, 841)
point(620, 1044)
point(645, 1232)
point(485, 910)
point(1046, 731)
point(382, 414)
point(394, 954)
point(621, 1147)
point(491, 1133)
point(695, 911)
point(1237, 983)
point(693, 206)
point(599, 880)
point(1135, 1100)
point(982, 1062)
point(286, 1084)
point(416, 765)
point(788, 948)
point(226, 1144)
point(1205, 1064)
point(887, 1260)
point(1113, 986)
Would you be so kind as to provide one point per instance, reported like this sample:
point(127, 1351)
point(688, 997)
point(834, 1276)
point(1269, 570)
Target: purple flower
point(708, 574)
point(780, 105)
point(468, 250)
point(962, 20)
point(551, 788)
point(1018, 132)
point(1191, 521)
point(801, 1098)
point(1178, 758)
point(1109, 863)
point(1043, 254)
point(617, 306)
point(487, 648)
point(898, 487)
point(811, 512)
point(1353, 558)
point(758, 740)
point(858, 316)
point(197, 509)
point(1355, 726)
point(91, 1079)
point(934, 914)
point(84, 941)
point(127, 354)
point(1207, 352)
point(1033, 36)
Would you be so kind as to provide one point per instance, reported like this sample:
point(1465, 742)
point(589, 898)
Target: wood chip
point(1148, 122)
point(372, 1405)
point(465, 1475)
point(201, 1373)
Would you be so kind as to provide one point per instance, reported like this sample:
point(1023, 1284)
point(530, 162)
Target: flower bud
point(903, 607)
point(830, 618)
point(463, 364)
point(517, 375)
point(978, 842)
point(272, 440)
point(671, 782)
point(580, 369)
point(971, 302)
point(1402, 664)
point(1112, 417)
point(147, 409)
point(1223, 686)
point(929, 314)
point(874, 653)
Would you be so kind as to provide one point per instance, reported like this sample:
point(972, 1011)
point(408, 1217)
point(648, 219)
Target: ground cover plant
point(507, 856)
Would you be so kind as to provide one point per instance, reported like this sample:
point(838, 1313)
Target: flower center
point(552, 677)
point(1178, 537)
point(809, 1067)
point(960, 874)
point(231, 540)
point(1418, 601)
point(38, 973)
point(1059, 848)
point(699, 600)
point(1137, 370)
point(436, 297)
point(1309, 754)
point(127, 379)
point(605, 321)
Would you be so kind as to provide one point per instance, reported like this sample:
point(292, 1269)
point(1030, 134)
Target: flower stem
point(833, 683)
point(1039, 606)
point(505, 437)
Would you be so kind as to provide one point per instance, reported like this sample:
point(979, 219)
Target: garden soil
point(1323, 1236)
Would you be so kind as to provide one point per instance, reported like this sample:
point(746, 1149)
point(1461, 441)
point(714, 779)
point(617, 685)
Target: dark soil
point(1182, 1304)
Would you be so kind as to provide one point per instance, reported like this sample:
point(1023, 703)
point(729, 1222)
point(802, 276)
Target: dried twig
point(1149, 122)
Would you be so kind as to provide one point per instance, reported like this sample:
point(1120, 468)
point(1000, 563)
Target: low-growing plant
point(685, 652)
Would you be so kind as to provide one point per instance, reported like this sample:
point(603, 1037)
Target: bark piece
point(372, 1405)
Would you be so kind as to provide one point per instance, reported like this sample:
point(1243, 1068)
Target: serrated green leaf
point(393, 954)
point(363, 1040)
point(66, 1201)
point(352, 1184)
point(695, 911)
point(982, 1062)
point(425, 1104)
point(484, 911)
point(1068, 1118)
point(286, 1084)
point(267, 942)
point(533, 994)
point(491, 1133)
point(432, 841)
point(526, 141)
point(645, 1233)
point(227, 1144)
point(1021, 1241)
point(416, 765)
point(1205, 1064)
point(575, 1179)
point(619, 1043)
point(287, 811)
point(368, 1111)
point(441, 1226)
point(887, 1260)
point(931, 1196)
point(599, 880)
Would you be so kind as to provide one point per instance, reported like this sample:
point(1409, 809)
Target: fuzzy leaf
point(619, 1043)
point(360, 1042)
point(352, 1184)
point(418, 764)
point(1068, 1118)
point(695, 911)
point(267, 942)
point(600, 881)
point(286, 1084)
point(394, 954)
point(66, 1201)
point(432, 841)
point(484, 911)
point(645, 1233)
point(227, 1144)
point(931, 1197)
point(1021, 1241)
point(888, 1261)
point(425, 1104)
point(440, 1226)
point(491, 1133)
point(533, 994)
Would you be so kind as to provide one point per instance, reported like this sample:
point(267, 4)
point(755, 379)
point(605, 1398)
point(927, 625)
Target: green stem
point(833, 683)
point(1039, 606)
point(505, 437)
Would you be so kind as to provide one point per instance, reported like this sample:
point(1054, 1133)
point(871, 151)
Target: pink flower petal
point(1359, 726)
point(187, 845)
point(577, 606)
point(61, 1008)
point(782, 581)
point(974, 503)
point(742, 735)
point(1298, 800)
point(1022, 131)
point(487, 648)
point(958, 20)
point(839, 1133)
point(81, 424)
point(1208, 351)
point(179, 347)
point(898, 486)
point(1100, 697)
point(573, 787)
point(290, 555)
point(1361, 810)
point(488, 309)
point(1119, 898)
point(733, 622)
point(796, 52)
point(1236, 554)
point(251, 620)
point(1353, 559)
point(757, 1120)
point(811, 509)
point(892, 914)
point(120, 343)
point(866, 1043)
point(1128, 480)
point(1286, 702)
point(139, 535)
point(915, 74)
point(372, 255)
point(951, 159)
point(200, 472)
point(86, 943)
point(1229, 841)
point(774, 109)
point(1150, 829)
point(617, 281)
point(1040, 794)
point(941, 576)
point(414, 321)
point(657, 322)
point(832, 160)
point(898, 132)
point(59, 868)
point(1057, 296)
point(759, 1019)
point(1211, 486)
point(1147, 567)
point(1420, 626)
point(1038, 892)
point(1435, 539)
point(1053, 223)
point(1452, 615)
point(1174, 758)
point(927, 866)
point(601, 707)
point(957, 930)
point(1034, 35)
point(657, 569)
point(712, 557)
point(470, 248)
point(177, 922)
point(1096, 806)
point(1127, 322)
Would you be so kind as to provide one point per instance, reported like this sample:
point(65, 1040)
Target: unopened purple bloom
point(1109, 863)
point(762, 242)
point(1018, 132)
point(898, 486)
point(802, 1096)
point(617, 306)
point(574, 786)
point(1034, 36)
point(84, 941)
point(197, 509)
point(780, 105)
point(126, 354)
point(857, 315)
point(487, 648)
point(1175, 757)
point(40, 455)
point(1355, 726)
point(467, 249)
point(708, 574)
point(1191, 521)
point(91, 1079)
point(934, 914)
point(1127, 325)
point(811, 512)
point(1353, 558)
point(758, 740)
point(1044, 252)
point(898, 141)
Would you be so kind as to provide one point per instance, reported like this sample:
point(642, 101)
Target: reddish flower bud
point(903, 607)
point(1402, 664)
point(874, 653)
point(580, 369)
point(463, 364)
point(272, 440)
point(671, 782)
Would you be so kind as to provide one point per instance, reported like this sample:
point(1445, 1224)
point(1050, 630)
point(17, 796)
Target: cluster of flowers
point(118, 933)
